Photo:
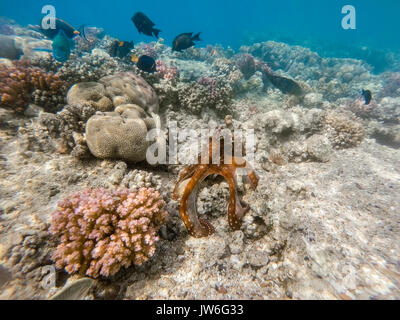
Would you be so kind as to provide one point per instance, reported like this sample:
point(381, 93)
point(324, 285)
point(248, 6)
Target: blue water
point(231, 22)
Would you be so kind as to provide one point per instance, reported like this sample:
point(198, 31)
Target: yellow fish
point(134, 58)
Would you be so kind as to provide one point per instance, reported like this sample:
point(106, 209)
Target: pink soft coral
point(102, 231)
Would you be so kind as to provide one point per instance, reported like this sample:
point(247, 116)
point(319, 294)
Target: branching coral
point(21, 84)
point(102, 231)
point(207, 92)
point(344, 131)
point(84, 68)
point(164, 72)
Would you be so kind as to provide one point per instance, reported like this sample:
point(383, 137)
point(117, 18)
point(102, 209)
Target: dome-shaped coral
point(102, 231)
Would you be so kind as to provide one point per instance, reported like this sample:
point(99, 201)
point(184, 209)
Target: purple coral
point(167, 73)
point(211, 85)
point(102, 231)
point(150, 50)
point(208, 82)
point(247, 65)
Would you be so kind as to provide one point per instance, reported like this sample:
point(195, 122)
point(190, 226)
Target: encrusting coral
point(102, 231)
point(193, 175)
point(21, 84)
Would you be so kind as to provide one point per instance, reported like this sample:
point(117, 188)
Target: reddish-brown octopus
point(190, 178)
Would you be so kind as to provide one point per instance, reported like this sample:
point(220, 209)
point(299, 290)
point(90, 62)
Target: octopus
point(190, 178)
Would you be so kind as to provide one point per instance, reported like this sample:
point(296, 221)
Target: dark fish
point(69, 30)
point(147, 64)
point(367, 94)
point(285, 85)
point(120, 49)
point(145, 25)
point(184, 41)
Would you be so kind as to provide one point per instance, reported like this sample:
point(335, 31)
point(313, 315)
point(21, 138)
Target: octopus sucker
point(190, 178)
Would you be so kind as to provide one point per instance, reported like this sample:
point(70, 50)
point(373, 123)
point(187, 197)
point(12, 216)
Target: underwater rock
point(279, 121)
point(319, 148)
point(120, 134)
point(385, 134)
point(5, 275)
point(388, 110)
point(313, 99)
point(129, 88)
point(90, 92)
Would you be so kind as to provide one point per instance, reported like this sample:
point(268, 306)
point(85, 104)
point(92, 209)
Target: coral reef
point(321, 195)
point(334, 78)
point(102, 231)
point(22, 84)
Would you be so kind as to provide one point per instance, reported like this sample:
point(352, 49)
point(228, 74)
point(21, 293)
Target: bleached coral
point(101, 231)
point(344, 131)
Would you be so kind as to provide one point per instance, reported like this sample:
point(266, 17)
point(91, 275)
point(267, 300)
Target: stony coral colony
point(102, 231)
point(21, 84)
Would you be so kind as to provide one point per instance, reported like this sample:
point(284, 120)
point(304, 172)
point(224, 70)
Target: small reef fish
point(62, 47)
point(146, 63)
point(185, 41)
point(145, 25)
point(285, 85)
point(134, 58)
point(68, 30)
point(120, 49)
point(367, 94)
